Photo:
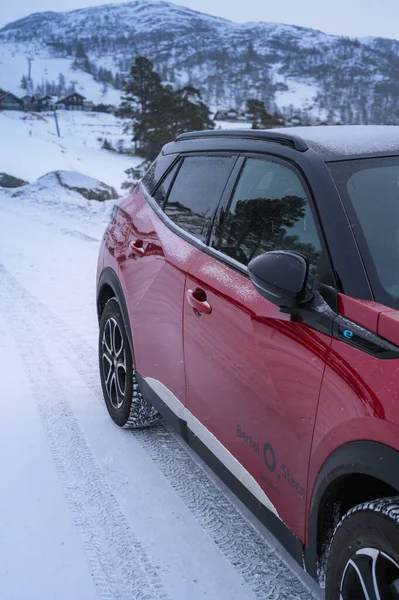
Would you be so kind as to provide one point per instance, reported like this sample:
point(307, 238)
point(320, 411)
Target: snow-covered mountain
point(291, 68)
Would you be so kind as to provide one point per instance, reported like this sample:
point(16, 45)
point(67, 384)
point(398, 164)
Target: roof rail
point(265, 135)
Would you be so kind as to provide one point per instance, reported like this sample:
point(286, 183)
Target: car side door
point(254, 373)
point(168, 226)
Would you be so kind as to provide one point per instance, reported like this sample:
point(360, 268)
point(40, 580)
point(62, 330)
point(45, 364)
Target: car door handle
point(197, 299)
point(137, 248)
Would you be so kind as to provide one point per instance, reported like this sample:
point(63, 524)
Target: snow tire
point(365, 551)
point(123, 399)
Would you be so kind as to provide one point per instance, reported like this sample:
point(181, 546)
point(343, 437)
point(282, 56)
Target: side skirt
point(280, 531)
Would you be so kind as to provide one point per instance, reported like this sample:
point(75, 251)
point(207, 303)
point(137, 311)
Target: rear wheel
point(122, 396)
point(363, 562)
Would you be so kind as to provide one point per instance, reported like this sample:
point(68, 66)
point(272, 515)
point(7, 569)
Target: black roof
point(332, 142)
point(2, 96)
point(71, 95)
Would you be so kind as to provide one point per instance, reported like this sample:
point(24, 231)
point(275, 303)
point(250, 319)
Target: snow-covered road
point(89, 511)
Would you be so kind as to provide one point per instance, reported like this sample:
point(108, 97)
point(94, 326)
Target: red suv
point(248, 290)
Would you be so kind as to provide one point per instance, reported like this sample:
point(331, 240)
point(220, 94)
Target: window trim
point(228, 191)
point(342, 252)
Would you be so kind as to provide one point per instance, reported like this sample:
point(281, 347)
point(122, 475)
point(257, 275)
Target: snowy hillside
point(291, 68)
point(13, 65)
point(30, 148)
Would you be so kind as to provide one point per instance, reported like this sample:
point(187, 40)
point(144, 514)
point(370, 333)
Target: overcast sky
point(355, 18)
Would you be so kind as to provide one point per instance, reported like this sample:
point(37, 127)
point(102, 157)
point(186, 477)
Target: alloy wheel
point(370, 575)
point(114, 363)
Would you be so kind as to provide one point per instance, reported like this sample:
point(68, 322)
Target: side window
point(269, 210)
point(162, 190)
point(156, 171)
point(196, 192)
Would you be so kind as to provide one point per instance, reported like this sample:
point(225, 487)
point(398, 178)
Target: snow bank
point(66, 193)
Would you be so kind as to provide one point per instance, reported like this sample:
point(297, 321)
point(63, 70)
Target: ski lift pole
point(56, 122)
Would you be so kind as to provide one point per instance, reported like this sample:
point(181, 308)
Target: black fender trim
point(170, 417)
point(109, 277)
point(360, 458)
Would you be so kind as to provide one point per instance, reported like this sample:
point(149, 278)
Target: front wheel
point(122, 396)
point(363, 561)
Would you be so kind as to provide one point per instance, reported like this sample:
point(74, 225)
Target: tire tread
point(141, 413)
point(375, 523)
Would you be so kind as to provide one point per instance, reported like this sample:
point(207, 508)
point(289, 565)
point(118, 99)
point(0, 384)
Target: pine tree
point(141, 86)
point(191, 112)
point(24, 82)
point(158, 112)
point(118, 81)
point(80, 51)
point(107, 145)
point(61, 84)
point(261, 119)
point(87, 66)
point(250, 56)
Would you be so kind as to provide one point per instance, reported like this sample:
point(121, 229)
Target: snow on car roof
point(331, 142)
point(340, 142)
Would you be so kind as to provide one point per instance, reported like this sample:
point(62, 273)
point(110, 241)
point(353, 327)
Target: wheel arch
point(108, 287)
point(355, 473)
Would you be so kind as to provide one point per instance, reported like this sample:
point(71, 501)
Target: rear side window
point(156, 171)
point(269, 210)
point(196, 192)
point(163, 188)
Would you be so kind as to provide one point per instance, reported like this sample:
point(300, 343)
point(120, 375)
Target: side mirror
point(281, 277)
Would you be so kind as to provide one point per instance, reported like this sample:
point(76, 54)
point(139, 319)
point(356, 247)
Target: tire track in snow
point(52, 223)
point(119, 564)
point(258, 563)
point(78, 234)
